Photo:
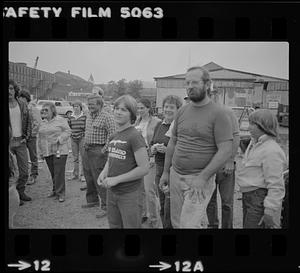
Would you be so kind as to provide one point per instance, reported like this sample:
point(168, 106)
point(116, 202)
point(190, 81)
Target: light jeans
point(77, 151)
point(151, 199)
point(188, 208)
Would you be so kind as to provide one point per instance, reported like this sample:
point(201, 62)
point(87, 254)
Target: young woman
point(77, 125)
point(126, 165)
point(53, 136)
point(146, 124)
point(159, 144)
point(260, 173)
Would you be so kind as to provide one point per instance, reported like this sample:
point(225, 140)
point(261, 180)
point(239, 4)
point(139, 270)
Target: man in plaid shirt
point(100, 125)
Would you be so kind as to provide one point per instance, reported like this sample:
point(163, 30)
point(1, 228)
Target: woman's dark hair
point(147, 104)
point(16, 87)
point(25, 94)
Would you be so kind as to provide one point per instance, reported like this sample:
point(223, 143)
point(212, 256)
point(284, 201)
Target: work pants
point(93, 161)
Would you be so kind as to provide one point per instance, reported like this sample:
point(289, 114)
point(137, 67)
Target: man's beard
point(197, 95)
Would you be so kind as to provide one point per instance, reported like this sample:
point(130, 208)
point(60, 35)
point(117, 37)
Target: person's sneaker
point(102, 214)
point(82, 179)
point(144, 219)
point(61, 199)
point(74, 177)
point(52, 194)
point(83, 188)
point(31, 180)
point(90, 205)
point(25, 197)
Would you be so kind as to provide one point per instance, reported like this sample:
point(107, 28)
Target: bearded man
point(200, 144)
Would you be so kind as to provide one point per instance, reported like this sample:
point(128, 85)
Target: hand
point(59, 140)
point(153, 149)
point(161, 148)
point(197, 182)
point(228, 168)
point(23, 140)
point(101, 178)
point(166, 189)
point(110, 182)
point(267, 220)
point(164, 181)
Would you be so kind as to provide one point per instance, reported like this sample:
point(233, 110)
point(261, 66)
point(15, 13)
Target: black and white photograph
point(148, 135)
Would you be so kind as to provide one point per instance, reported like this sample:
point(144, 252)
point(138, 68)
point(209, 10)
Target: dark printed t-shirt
point(121, 149)
point(160, 137)
point(198, 130)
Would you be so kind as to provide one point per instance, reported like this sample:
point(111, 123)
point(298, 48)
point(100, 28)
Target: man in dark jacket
point(20, 123)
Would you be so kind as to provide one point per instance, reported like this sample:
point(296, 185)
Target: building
point(36, 81)
point(232, 87)
point(71, 87)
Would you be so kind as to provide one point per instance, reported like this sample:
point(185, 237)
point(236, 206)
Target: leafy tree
point(134, 88)
point(122, 87)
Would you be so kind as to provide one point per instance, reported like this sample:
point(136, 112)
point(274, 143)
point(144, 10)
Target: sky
point(145, 60)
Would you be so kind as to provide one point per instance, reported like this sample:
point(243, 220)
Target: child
point(260, 173)
point(126, 165)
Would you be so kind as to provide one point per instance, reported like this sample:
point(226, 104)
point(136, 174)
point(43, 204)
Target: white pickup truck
point(63, 108)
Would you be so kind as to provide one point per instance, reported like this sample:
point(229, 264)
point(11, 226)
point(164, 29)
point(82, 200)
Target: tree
point(111, 89)
point(122, 87)
point(134, 88)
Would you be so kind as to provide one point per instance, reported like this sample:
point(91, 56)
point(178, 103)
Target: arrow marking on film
point(21, 265)
point(161, 266)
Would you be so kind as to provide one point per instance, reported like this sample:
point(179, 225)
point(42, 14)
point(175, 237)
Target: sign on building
point(273, 104)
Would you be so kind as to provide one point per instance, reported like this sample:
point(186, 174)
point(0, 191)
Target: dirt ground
point(48, 213)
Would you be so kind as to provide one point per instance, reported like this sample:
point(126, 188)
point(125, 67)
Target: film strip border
point(141, 250)
point(180, 21)
point(235, 250)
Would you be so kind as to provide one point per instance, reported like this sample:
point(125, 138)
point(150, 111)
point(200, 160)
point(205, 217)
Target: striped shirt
point(77, 125)
point(99, 128)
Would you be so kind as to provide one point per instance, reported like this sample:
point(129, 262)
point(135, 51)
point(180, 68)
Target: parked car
point(63, 108)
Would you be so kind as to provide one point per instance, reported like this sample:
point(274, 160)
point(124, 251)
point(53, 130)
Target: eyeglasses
point(44, 110)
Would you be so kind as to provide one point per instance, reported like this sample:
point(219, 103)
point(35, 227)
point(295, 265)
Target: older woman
point(146, 124)
point(159, 144)
point(53, 135)
point(260, 173)
point(77, 125)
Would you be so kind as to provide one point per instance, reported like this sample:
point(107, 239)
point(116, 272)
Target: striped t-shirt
point(77, 125)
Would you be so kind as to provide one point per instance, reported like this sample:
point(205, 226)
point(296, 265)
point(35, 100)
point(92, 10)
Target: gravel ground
point(43, 212)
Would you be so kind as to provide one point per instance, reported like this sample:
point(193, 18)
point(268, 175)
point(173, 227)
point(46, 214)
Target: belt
point(17, 138)
point(87, 145)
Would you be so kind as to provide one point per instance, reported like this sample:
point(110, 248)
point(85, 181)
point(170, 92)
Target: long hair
point(16, 87)
point(147, 104)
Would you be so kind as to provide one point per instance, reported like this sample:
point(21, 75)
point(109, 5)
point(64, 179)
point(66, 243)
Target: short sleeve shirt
point(121, 159)
point(197, 131)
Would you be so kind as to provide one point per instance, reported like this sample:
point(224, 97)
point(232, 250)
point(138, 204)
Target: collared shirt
point(99, 128)
point(262, 167)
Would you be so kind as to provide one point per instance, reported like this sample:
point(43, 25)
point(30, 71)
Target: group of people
point(166, 172)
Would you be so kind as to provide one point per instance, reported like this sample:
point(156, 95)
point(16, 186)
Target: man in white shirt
point(19, 122)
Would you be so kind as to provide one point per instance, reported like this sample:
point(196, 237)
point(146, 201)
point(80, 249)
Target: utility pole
point(33, 76)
